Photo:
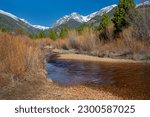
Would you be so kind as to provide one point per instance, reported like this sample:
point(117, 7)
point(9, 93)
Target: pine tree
point(31, 35)
point(40, 34)
point(121, 12)
point(3, 29)
point(53, 34)
point(105, 21)
point(63, 33)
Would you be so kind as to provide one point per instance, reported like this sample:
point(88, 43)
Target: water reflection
point(80, 72)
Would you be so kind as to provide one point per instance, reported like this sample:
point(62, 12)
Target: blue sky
point(46, 12)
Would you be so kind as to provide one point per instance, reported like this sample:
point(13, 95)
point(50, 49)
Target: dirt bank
point(92, 58)
point(75, 55)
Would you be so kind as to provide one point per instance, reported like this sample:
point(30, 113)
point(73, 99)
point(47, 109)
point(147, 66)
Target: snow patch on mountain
point(144, 3)
point(82, 19)
point(23, 20)
point(9, 14)
point(40, 27)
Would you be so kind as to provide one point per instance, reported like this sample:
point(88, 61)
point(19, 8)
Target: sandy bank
point(93, 58)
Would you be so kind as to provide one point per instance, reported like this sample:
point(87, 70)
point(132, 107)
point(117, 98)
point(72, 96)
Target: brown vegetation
point(21, 65)
point(126, 46)
point(140, 23)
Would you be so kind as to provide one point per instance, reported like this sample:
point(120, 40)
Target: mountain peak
point(80, 18)
point(74, 13)
point(73, 16)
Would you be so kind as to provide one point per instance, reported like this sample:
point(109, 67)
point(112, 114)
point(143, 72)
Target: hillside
point(12, 22)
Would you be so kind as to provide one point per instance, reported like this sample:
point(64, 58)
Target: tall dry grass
point(22, 70)
point(90, 42)
point(85, 42)
point(19, 56)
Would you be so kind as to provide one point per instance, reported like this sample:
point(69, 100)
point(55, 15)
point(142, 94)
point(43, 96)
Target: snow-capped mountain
point(100, 12)
point(80, 18)
point(74, 16)
point(74, 20)
point(10, 15)
point(40, 27)
point(17, 19)
point(144, 3)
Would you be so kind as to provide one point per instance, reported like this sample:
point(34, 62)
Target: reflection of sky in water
point(77, 72)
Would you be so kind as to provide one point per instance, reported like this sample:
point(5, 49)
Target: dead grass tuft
point(19, 56)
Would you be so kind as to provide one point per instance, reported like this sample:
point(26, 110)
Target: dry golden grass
point(43, 42)
point(22, 70)
point(19, 55)
point(21, 62)
point(84, 42)
point(60, 43)
point(123, 46)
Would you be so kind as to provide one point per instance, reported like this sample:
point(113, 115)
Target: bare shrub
point(72, 40)
point(85, 42)
point(139, 20)
point(20, 57)
point(126, 45)
point(43, 42)
point(88, 40)
point(132, 44)
point(60, 44)
point(107, 34)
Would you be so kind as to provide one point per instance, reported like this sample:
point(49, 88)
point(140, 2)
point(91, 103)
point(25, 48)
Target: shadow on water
point(128, 80)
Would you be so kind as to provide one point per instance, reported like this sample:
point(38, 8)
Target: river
point(135, 76)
